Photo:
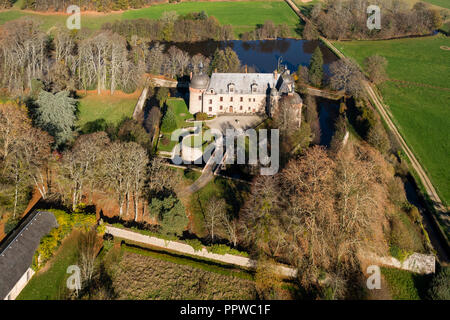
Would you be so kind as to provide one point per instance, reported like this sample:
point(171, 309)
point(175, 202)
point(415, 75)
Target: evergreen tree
point(169, 122)
point(55, 113)
point(316, 68)
point(171, 215)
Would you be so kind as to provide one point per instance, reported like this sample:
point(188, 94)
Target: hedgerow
point(66, 223)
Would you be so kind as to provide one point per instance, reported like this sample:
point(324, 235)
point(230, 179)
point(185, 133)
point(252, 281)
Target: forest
point(91, 5)
point(347, 19)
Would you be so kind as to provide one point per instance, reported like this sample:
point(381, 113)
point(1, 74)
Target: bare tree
point(88, 246)
point(346, 76)
point(214, 212)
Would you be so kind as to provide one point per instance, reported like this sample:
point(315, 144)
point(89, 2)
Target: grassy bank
point(417, 96)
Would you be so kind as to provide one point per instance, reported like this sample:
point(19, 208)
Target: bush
point(10, 224)
point(440, 285)
point(201, 116)
point(195, 243)
point(224, 249)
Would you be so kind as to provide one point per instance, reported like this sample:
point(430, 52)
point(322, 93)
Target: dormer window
point(254, 88)
point(211, 91)
point(231, 88)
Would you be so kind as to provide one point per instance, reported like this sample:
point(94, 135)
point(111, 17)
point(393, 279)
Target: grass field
point(242, 15)
point(111, 109)
point(421, 112)
point(50, 283)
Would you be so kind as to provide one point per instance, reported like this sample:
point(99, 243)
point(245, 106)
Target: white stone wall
point(12, 295)
point(216, 103)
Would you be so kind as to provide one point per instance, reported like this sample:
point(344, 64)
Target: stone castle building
point(242, 93)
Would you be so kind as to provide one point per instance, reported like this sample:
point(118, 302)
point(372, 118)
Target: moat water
point(264, 55)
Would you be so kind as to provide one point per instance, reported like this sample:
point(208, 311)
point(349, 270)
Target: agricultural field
point(242, 15)
point(143, 274)
point(418, 96)
point(105, 108)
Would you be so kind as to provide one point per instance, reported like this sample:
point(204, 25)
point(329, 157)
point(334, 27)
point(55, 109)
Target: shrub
point(10, 224)
point(224, 249)
point(195, 243)
point(201, 116)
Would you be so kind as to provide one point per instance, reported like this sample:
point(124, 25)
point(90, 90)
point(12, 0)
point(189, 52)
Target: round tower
point(198, 85)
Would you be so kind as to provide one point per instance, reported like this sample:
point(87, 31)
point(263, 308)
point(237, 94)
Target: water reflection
point(263, 55)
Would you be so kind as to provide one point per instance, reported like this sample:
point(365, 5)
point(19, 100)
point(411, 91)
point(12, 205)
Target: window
point(241, 108)
point(212, 90)
point(242, 99)
point(210, 101)
point(231, 99)
point(210, 109)
point(221, 98)
point(254, 99)
point(249, 100)
point(248, 108)
point(199, 98)
point(221, 107)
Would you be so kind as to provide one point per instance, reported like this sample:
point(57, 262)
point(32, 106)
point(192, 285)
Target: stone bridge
point(332, 95)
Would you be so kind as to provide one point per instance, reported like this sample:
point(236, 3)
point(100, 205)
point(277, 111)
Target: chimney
point(245, 68)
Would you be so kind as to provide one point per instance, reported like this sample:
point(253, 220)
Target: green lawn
point(243, 15)
point(421, 113)
point(50, 284)
point(109, 108)
point(181, 111)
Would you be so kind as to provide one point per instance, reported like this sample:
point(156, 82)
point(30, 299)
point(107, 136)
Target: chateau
point(241, 93)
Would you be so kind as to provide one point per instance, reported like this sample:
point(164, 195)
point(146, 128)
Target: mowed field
point(418, 96)
point(111, 108)
point(242, 15)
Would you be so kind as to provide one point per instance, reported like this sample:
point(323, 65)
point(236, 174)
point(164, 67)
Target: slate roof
point(242, 81)
point(17, 250)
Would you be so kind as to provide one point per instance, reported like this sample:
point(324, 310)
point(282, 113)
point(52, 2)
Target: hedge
point(66, 223)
